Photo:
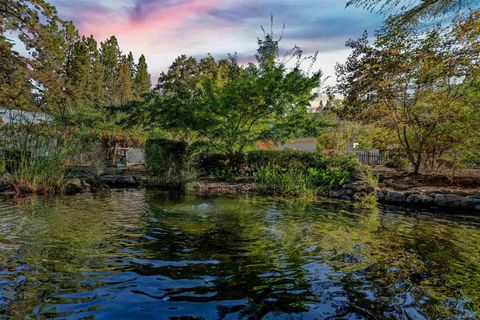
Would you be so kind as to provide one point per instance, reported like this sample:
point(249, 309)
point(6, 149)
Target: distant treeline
point(61, 72)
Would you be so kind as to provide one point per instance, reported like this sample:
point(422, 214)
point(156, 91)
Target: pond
point(148, 255)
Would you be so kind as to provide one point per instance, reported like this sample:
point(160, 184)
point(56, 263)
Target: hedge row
point(169, 160)
point(247, 164)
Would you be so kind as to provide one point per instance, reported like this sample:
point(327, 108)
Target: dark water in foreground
point(146, 255)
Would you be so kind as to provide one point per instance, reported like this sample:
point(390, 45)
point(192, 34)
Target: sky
point(164, 29)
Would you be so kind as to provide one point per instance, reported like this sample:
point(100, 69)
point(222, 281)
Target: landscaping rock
point(120, 181)
point(4, 185)
point(453, 201)
point(419, 199)
point(397, 186)
point(380, 195)
point(359, 186)
point(395, 197)
point(467, 203)
point(86, 186)
point(73, 186)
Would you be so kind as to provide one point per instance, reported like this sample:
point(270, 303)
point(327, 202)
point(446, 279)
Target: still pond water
point(147, 255)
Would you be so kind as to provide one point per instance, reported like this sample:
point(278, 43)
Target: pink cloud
point(155, 18)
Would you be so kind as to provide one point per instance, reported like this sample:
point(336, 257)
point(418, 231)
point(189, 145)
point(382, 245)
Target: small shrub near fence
point(166, 162)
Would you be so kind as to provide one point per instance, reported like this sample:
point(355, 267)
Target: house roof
point(17, 116)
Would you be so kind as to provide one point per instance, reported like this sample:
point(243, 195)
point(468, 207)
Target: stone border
point(431, 199)
point(434, 199)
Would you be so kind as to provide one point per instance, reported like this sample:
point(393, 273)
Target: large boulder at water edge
point(73, 186)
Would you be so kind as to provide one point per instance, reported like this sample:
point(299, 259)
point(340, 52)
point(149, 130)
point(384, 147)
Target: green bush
point(277, 181)
point(395, 159)
point(167, 162)
point(247, 164)
point(282, 172)
point(330, 178)
point(296, 180)
point(3, 167)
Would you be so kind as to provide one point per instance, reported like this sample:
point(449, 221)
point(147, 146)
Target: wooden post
point(114, 158)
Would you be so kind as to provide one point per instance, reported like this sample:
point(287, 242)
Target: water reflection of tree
point(382, 250)
point(422, 268)
point(272, 257)
point(66, 236)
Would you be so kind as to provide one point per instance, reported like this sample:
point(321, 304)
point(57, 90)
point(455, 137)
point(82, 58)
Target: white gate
point(135, 156)
point(129, 156)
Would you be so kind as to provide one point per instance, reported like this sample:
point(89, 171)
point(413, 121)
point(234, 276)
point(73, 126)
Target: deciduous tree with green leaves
point(415, 85)
point(229, 106)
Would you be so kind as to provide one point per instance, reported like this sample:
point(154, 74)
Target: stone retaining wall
point(430, 199)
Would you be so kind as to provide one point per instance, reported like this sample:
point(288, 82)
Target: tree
point(182, 75)
point(15, 85)
point(52, 52)
point(79, 73)
point(96, 90)
point(49, 40)
point(110, 56)
point(125, 82)
point(142, 84)
point(131, 62)
point(414, 85)
point(230, 106)
point(407, 12)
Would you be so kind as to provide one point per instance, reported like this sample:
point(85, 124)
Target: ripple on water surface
point(138, 254)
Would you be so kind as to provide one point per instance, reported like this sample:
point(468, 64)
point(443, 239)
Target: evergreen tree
point(95, 90)
point(182, 76)
point(131, 62)
point(111, 58)
point(15, 86)
point(79, 72)
point(52, 54)
point(125, 82)
point(142, 83)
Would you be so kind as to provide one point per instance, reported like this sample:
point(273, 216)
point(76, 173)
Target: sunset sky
point(164, 29)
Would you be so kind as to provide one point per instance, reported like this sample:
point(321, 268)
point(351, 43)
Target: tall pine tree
point(142, 83)
point(125, 81)
point(96, 90)
point(111, 58)
point(78, 73)
point(131, 62)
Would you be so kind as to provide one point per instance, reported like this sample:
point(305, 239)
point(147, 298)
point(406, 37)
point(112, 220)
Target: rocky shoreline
point(425, 197)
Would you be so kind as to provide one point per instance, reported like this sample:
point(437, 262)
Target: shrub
point(247, 164)
point(167, 162)
point(281, 172)
point(273, 179)
point(395, 159)
point(3, 167)
point(330, 178)
point(276, 180)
